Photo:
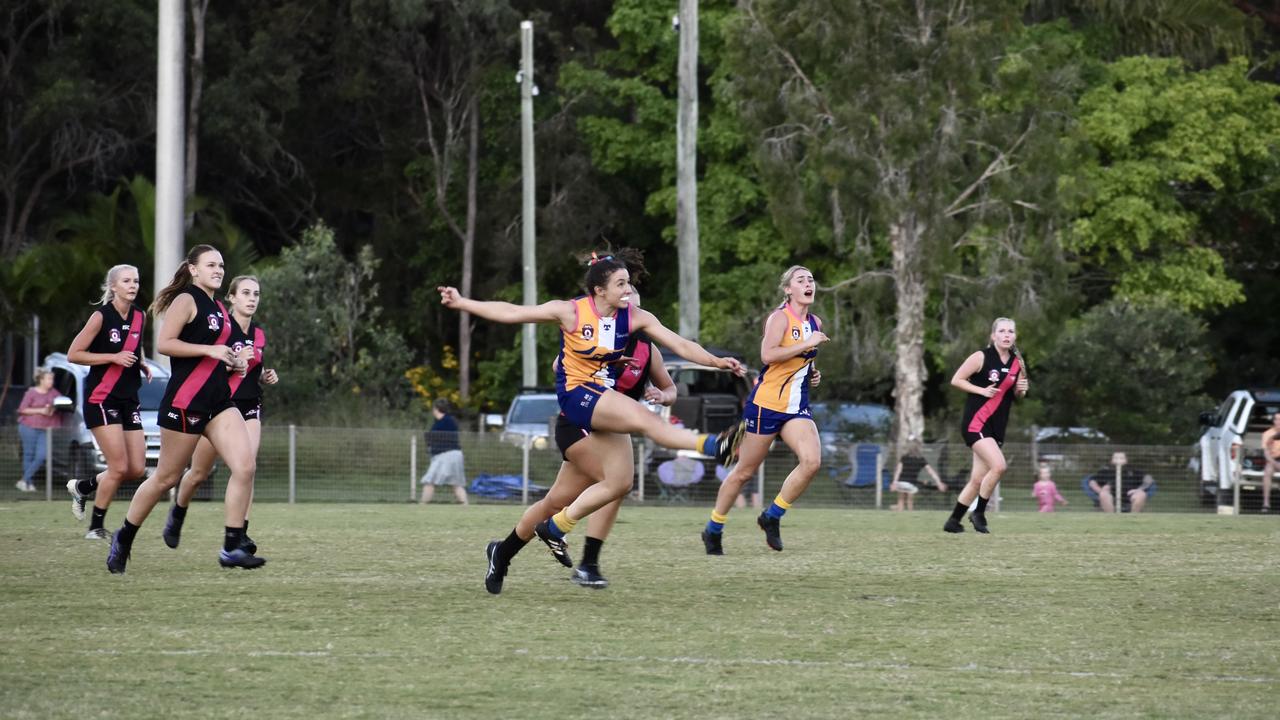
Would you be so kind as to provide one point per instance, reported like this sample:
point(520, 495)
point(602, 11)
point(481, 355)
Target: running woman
point(248, 342)
point(197, 402)
point(991, 377)
point(595, 330)
point(582, 467)
point(111, 344)
point(778, 405)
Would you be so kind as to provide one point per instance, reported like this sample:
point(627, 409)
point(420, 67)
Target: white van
point(1231, 459)
point(75, 453)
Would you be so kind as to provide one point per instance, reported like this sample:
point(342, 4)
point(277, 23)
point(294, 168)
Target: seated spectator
point(1135, 486)
point(906, 477)
point(1045, 490)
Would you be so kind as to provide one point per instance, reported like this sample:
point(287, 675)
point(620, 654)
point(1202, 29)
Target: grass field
point(379, 611)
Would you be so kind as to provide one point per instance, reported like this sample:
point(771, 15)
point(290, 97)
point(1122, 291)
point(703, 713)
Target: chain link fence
point(315, 464)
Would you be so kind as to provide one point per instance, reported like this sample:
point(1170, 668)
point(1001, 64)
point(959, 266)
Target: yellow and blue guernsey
point(781, 392)
point(588, 363)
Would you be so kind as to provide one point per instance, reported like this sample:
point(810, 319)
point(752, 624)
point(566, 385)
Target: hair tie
point(595, 259)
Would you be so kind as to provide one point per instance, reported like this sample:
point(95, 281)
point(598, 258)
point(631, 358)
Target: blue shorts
point(579, 403)
point(762, 421)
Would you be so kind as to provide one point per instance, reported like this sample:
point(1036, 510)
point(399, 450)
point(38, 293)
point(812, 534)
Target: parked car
point(529, 419)
point(1231, 444)
point(75, 452)
point(708, 399)
point(851, 420)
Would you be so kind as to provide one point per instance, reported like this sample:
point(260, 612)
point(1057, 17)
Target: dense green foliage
point(1132, 150)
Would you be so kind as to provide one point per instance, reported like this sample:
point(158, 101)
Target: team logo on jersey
point(237, 348)
point(173, 416)
point(113, 414)
point(795, 333)
point(115, 335)
point(993, 376)
point(213, 322)
point(588, 332)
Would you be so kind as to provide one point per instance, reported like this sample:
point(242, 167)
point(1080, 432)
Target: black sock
point(958, 512)
point(508, 548)
point(87, 486)
point(97, 518)
point(178, 512)
point(127, 531)
point(591, 551)
point(246, 527)
point(982, 506)
point(231, 540)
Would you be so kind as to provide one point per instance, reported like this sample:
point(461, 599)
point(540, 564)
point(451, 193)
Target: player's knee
point(810, 464)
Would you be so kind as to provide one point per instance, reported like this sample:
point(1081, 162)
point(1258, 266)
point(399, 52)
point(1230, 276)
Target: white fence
point(313, 464)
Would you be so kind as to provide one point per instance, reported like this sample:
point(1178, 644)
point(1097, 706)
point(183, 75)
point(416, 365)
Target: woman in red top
point(35, 415)
point(111, 344)
point(197, 402)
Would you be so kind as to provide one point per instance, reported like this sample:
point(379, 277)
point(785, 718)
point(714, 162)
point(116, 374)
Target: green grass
point(378, 611)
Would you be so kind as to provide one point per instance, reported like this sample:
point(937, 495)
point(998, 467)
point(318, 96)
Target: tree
point(1179, 159)
point(321, 312)
point(919, 139)
point(1133, 371)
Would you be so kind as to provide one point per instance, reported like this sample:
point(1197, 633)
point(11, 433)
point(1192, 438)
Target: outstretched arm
point(687, 349)
point(559, 311)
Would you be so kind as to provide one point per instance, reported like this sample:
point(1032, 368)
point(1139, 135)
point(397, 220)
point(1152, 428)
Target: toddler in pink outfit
point(1045, 491)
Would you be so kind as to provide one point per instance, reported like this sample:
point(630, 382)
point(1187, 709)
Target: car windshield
point(151, 393)
point(533, 410)
point(853, 418)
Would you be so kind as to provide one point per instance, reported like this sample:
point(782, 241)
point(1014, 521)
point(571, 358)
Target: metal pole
point(760, 480)
point(413, 467)
point(1118, 471)
point(170, 122)
point(48, 464)
point(686, 169)
point(293, 464)
point(879, 489)
point(529, 347)
point(35, 343)
point(524, 473)
point(640, 470)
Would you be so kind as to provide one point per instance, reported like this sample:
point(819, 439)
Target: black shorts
point(190, 421)
point(972, 437)
point(250, 409)
point(112, 412)
point(567, 434)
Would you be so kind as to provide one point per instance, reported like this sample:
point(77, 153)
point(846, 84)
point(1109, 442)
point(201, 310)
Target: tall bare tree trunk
point(687, 172)
point(908, 367)
point(468, 249)
point(199, 9)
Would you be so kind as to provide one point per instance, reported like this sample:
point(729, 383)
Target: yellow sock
point(562, 521)
point(718, 518)
point(782, 503)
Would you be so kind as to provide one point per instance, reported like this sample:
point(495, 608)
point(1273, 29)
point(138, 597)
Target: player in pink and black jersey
point(248, 341)
point(111, 344)
point(992, 377)
point(194, 334)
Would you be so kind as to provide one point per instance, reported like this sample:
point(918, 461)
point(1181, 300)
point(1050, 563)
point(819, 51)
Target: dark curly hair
point(601, 264)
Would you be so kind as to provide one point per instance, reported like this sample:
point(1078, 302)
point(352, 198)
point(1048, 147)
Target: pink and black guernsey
point(118, 333)
point(988, 416)
point(634, 375)
point(247, 387)
point(200, 384)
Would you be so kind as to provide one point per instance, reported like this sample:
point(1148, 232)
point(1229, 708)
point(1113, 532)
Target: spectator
point(906, 477)
point(446, 456)
point(1135, 485)
point(1271, 454)
point(1045, 490)
point(35, 414)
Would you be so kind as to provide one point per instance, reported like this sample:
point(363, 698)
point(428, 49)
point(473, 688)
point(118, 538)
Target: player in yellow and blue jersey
point(595, 330)
point(778, 405)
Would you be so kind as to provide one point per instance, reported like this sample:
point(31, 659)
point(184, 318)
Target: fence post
point(524, 472)
point(413, 467)
point(1119, 468)
point(293, 464)
point(760, 479)
point(640, 469)
point(48, 464)
point(879, 486)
